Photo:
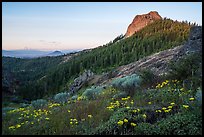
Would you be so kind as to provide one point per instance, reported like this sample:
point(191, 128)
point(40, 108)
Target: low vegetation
point(168, 108)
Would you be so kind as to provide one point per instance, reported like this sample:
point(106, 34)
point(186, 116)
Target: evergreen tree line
point(158, 36)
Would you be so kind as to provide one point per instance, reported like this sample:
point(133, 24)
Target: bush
point(148, 77)
point(144, 129)
point(120, 95)
point(61, 97)
point(111, 127)
point(39, 103)
point(187, 67)
point(92, 92)
point(179, 124)
point(74, 97)
point(127, 83)
point(198, 97)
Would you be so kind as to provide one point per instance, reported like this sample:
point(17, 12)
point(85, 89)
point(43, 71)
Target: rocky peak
point(140, 21)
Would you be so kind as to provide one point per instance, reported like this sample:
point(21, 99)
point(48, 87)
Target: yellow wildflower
point(120, 123)
point(158, 111)
point(170, 106)
point(127, 107)
point(132, 124)
point(172, 103)
point(182, 89)
point(12, 127)
point(17, 126)
point(185, 106)
point(90, 116)
point(124, 99)
point(47, 118)
point(71, 123)
point(74, 119)
point(134, 111)
point(125, 120)
point(149, 103)
point(32, 123)
point(144, 116)
point(68, 111)
point(163, 108)
point(191, 99)
point(168, 110)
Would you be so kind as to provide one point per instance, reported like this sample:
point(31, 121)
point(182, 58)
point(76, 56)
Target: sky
point(80, 25)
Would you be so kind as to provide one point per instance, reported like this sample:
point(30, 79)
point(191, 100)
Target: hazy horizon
point(80, 25)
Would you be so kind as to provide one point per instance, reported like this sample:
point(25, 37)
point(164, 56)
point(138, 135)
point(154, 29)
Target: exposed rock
point(158, 62)
point(140, 21)
point(194, 43)
point(80, 81)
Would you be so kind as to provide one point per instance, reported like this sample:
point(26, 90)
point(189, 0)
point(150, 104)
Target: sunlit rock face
point(140, 21)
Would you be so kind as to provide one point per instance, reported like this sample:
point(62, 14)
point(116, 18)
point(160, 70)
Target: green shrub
point(198, 97)
point(148, 77)
point(187, 67)
point(39, 103)
point(61, 97)
point(127, 83)
point(91, 93)
point(111, 127)
point(179, 124)
point(74, 97)
point(120, 95)
point(143, 129)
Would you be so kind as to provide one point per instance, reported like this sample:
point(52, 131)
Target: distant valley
point(34, 53)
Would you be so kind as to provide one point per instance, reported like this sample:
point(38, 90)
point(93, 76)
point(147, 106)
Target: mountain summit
point(140, 21)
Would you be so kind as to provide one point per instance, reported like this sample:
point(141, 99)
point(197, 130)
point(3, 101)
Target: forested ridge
point(160, 35)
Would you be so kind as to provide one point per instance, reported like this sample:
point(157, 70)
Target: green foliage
point(143, 129)
point(110, 127)
point(39, 103)
point(74, 97)
point(127, 83)
point(120, 95)
point(61, 97)
point(198, 97)
point(148, 77)
point(188, 68)
point(179, 124)
point(91, 93)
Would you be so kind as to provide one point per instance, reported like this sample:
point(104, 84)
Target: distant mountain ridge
point(56, 53)
point(34, 53)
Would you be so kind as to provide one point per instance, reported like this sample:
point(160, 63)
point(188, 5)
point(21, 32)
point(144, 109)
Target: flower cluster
point(28, 116)
point(50, 105)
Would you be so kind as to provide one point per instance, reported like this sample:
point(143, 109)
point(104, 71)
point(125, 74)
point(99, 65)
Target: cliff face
point(140, 21)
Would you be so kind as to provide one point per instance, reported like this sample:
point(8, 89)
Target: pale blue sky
point(80, 25)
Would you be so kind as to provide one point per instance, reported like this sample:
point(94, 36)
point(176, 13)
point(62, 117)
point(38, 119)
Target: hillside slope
point(157, 36)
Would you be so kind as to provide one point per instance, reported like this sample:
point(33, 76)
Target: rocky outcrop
point(80, 81)
point(194, 43)
point(158, 62)
point(140, 21)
